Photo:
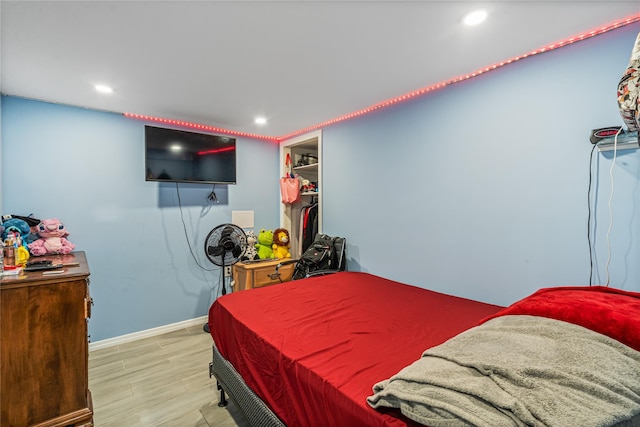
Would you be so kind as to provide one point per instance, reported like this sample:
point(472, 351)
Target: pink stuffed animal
point(52, 239)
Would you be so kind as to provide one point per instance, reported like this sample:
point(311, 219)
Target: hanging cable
point(589, 215)
point(613, 163)
point(186, 236)
point(212, 196)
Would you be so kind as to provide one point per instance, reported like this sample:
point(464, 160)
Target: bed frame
point(229, 381)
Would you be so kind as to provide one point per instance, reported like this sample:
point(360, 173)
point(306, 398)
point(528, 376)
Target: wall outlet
point(227, 271)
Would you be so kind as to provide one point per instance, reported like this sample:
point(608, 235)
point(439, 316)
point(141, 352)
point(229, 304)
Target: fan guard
point(225, 244)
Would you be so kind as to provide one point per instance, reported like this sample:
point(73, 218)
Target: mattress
point(313, 349)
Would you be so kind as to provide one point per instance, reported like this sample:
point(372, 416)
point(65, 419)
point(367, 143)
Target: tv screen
point(180, 156)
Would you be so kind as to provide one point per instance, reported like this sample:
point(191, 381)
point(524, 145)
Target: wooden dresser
point(257, 274)
point(44, 346)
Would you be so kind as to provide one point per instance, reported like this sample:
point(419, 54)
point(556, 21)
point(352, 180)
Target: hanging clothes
point(309, 225)
point(303, 214)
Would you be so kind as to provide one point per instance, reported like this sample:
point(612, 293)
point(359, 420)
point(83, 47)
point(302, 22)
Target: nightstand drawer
point(256, 275)
point(261, 275)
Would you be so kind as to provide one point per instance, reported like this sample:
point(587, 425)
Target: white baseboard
point(110, 342)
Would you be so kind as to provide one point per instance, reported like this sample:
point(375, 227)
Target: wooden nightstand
point(256, 275)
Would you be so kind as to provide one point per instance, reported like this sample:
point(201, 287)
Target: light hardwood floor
point(159, 381)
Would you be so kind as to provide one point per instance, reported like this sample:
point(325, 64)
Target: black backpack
point(325, 255)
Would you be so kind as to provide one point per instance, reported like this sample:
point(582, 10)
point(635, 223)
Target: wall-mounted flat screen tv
point(179, 156)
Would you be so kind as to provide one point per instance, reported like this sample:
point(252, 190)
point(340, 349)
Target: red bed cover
point(313, 349)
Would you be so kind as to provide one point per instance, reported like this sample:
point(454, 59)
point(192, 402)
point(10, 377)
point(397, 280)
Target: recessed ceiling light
point(474, 18)
point(260, 120)
point(103, 89)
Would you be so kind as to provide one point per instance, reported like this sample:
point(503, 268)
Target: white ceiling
point(298, 63)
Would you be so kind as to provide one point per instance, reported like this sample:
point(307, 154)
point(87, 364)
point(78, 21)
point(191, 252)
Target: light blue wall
point(480, 189)
point(87, 168)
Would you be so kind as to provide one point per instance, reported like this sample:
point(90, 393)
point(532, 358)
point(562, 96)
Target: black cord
point(589, 216)
point(212, 196)
point(186, 236)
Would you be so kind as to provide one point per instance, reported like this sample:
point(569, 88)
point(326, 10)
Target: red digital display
point(605, 133)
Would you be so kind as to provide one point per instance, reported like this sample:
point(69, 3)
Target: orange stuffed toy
point(281, 243)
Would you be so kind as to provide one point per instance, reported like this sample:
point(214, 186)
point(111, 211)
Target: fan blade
point(226, 233)
point(215, 250)
point(236, 251)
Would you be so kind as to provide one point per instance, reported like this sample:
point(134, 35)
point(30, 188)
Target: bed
point(354, 349)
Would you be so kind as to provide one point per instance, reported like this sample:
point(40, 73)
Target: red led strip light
point(217, 150)
point(206, 128)
point(604, 29)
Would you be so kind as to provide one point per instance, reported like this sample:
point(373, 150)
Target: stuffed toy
point(251, 252)
point(281, 243)
point(15, 228)
point(52, 239)
point(265, 240)
point(15, 233)
point(30, 222)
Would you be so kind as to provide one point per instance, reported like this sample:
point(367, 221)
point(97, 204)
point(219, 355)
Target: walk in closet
point(303, 219)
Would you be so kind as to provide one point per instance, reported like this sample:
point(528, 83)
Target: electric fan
point(224, 246)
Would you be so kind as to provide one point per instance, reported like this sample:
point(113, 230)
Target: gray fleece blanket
point(519, 371)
